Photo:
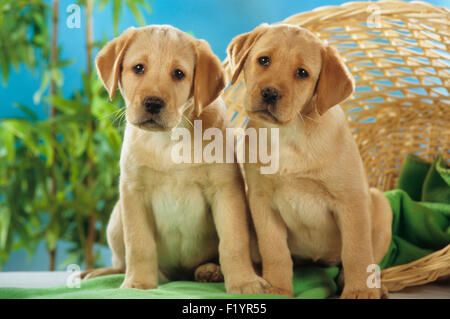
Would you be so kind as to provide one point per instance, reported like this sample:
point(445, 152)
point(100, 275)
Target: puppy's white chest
point(175, 206)
point(185, 232)
point(312, 229)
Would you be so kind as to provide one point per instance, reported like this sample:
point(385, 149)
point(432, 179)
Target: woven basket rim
point(414, 6)
point(418, 272)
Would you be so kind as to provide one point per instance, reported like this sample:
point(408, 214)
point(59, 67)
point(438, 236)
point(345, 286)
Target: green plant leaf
point(5, 219)
point(7, 138)
point(45, 82)
point(64, 105)
point(24, 131)
point(117, 4)
point(29, 112)
point(136, 12)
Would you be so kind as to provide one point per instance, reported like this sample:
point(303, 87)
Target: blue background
point(213, 20)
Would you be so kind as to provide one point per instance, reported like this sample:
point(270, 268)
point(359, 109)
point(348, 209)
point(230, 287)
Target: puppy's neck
point(306, 122)
point(309, 130)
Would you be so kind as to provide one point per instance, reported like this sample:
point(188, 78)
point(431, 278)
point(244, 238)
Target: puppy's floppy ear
point(335, 82)
point(209, 77)
point(109, 60)
point(239, 48)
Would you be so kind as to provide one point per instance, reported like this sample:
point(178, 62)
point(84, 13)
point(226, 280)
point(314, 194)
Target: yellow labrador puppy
point(172, 217)
point(318, 206)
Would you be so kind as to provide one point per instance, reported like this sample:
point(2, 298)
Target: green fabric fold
point(309, 282)
point(421, 208)
point(421, 225)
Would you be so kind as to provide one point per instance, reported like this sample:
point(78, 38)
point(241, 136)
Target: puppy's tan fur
point(173, 217)
point(318, 206)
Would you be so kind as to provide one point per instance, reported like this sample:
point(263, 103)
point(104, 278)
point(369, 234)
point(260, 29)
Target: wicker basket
point(398, 53)
point(430, 268)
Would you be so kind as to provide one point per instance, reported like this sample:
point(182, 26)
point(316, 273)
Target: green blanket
point(421, 225)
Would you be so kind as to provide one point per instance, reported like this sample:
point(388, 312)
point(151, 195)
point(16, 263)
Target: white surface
point(31, 279)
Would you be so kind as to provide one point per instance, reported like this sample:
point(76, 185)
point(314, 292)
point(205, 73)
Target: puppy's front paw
point(255, 286)
point(139, 284)
point(361, 293)
point(92, 273)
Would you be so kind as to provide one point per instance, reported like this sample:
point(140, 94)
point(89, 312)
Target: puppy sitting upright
point(172, 217)
point(318, 206)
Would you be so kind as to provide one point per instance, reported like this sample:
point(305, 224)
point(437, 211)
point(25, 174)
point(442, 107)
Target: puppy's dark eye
point(178, 74)
point(301, 73)
point(138, 69)
point(264, 60)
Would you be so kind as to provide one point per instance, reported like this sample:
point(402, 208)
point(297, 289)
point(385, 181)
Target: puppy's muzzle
point(270, 95)
point(153, 104)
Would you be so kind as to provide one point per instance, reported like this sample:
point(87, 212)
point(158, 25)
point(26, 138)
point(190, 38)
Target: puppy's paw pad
point(257, 286)
point(209, 272)
point(368, 293)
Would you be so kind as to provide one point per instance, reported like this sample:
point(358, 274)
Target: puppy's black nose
point(153, 104)
point(270, 95)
